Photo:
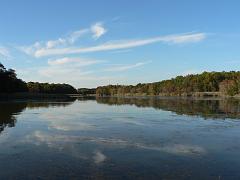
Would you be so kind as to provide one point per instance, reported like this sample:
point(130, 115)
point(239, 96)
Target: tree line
point(36, 87)
point(227, 83)
point(9, 83)
point(86, 91)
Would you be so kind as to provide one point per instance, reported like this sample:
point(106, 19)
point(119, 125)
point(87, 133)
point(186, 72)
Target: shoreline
point(34, 96)
point(195, 95)
point(42, 96)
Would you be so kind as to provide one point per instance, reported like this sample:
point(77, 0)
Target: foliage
point(179, 86)
point(86, 91)
point(230, 87)
point(227, 83)
point(36, 87)
point(9, 82)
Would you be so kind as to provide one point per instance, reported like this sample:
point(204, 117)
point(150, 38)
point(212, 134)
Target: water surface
point(120, 138)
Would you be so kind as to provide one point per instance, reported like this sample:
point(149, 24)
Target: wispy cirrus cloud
point(117, 45)
point(77, 61)
point(69, 40)
point(62, 66)
point(62, 74)
point(77, 71)
point(97, 30)
point(118, 68)
point(73, 66)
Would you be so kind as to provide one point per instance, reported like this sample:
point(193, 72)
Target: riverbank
point(34, 96)
point(40, 96)
point(183, 95)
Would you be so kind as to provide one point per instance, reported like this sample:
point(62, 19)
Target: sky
point(92, 43)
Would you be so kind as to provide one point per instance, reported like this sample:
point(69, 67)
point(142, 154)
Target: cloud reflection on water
point(66, 122)
point(99, 157)
point(60, 141)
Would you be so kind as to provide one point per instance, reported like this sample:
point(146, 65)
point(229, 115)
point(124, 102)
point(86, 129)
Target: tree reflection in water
point(9, 110)
point(206, 108)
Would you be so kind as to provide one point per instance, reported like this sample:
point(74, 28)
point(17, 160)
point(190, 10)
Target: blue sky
point(92, 43)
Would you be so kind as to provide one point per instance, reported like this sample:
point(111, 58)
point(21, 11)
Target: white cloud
point(63, 70)
point(175, 39)
point(68, 40)
point(54, 43)
point(30, 50)
point(67, 69)
point(76, 60)
point(60, 42)
point(187, 38)
point(125, 67)
point(75, 70)
point(78, 77)
point(121, 51)
point(76, 35)
point(71, 70)
point(62, 73)
point(98, 30)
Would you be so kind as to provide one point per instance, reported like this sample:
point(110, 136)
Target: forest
point(9, 83)
point(86, 91)
point(225, 83)
point(36, 87)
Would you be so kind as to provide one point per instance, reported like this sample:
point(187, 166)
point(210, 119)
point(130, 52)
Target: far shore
point(40, 96)
point(185, 95)
point(34, 96)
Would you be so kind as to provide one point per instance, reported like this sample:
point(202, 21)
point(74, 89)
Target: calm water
point(120, 138)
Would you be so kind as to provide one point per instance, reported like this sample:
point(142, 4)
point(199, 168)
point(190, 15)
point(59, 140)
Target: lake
point(120, 138)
